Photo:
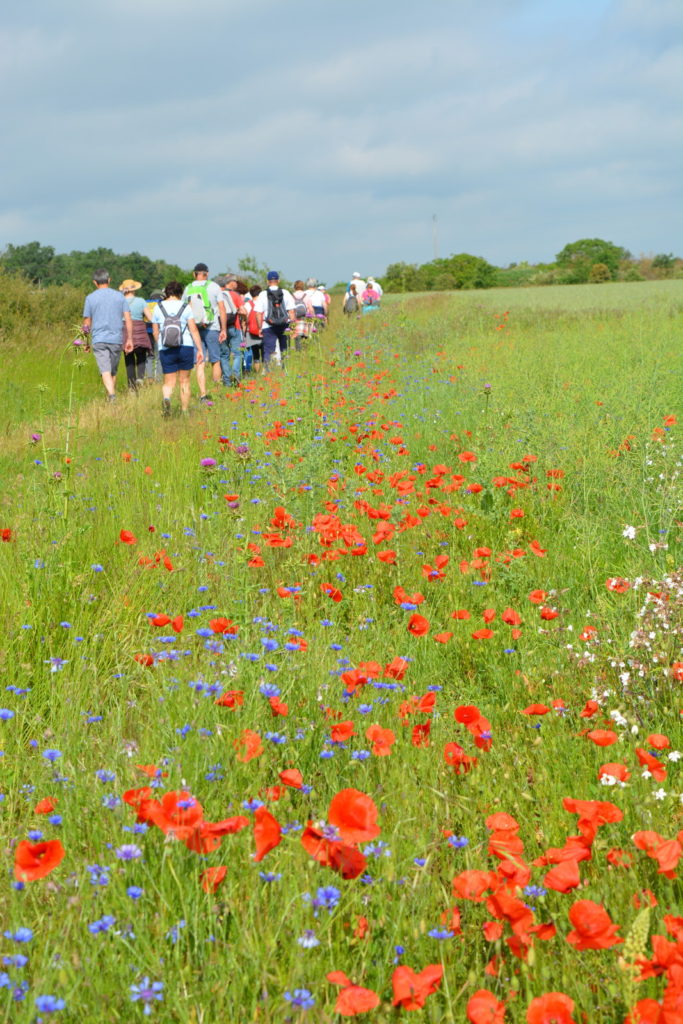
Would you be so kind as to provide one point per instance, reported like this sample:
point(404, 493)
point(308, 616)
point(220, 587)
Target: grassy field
point(358, 692)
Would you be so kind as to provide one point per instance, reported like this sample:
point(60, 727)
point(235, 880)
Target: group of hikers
point(223, 322)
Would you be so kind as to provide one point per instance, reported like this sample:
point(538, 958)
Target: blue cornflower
point(52, 755)
point(110, 801)
point(102, 925)
point(105, 776)
point(534, 891)
point(309, 940)
point(129, 851)
point(6, 714)
point(301, 998)
point(135, 892)
point(269, 876)
point(35, 835)
point(440, 933)
point(172, 933)
point(146, 993)
point(17, 960)
point(55, 819)
point(458, 842)
point(276, 737)
point(20, 935)
point(269, 690)
point(360, 755)
point(49, 1004)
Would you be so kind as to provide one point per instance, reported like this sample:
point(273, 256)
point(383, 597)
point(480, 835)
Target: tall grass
point(583, 405)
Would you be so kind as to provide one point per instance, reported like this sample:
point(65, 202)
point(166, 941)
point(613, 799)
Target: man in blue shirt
point(105, 314)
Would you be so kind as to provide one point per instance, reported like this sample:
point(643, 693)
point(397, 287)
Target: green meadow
point(448, 541)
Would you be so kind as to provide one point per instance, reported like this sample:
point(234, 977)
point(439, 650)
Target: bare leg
point(217, 373)
point(109, 381)
point(168, 386)
point(201, 379)
point(185, 389)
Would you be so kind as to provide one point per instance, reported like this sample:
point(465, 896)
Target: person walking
point(274, 309)
point(105, 316)
point(136, 361)
point(179, 342)
point(253, 351)
point(370, 299)
point(208, 312)
point(231, 348)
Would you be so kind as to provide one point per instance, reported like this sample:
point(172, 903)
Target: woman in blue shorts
point(176, 360)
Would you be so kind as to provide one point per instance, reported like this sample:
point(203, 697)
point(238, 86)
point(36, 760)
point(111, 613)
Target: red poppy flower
point(537, 596)
point(342, 731)
point(382, 740)
point(355, 816)
point(248, 745)
point(653, 765)
point(126, 537)
point(46, 805)
point(547, 614)
point(473, 884)
point(536, 548)
point(418, 625)
point(564, 876)
point(353, 999)
point(511, 618)
point(455, 756)
point(593, 927)
point(411, 989)
point(442, 638)
point(211, 878)
point(551, 1008)
point(342, 857)
point(6, 534)
point(482, 634)
point(602, 737)
point(615, 771)
point(462, 614)
point(646, 1011)
point(484, 1008)
point(292, 777)
point(389, 558)
point(223, 625)
point(536, 709)
point(35, 860)
point(617, 584)
point(231, 699)
point(267, 832)
point(332, 592)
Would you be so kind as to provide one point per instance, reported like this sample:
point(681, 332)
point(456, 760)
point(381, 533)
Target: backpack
point(198, 296)
point(171, 333)
point(277, 314)
point(252, 322)
point(230, 309)
point(300, 308)
point(351, 304)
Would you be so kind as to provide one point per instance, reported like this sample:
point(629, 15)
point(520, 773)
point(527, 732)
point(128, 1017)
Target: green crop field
point(358, 692)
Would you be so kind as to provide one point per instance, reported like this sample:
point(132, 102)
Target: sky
point(330, 137)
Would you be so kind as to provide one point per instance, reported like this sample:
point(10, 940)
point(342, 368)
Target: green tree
point(577, 258)
point(33, 260)
point(599, 274)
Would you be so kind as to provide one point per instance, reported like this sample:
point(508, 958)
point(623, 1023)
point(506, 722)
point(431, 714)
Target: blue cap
point(273, 275)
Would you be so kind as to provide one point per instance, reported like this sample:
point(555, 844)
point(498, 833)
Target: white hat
point(355, 274)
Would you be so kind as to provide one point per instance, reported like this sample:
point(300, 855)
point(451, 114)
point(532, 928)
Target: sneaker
point(166, 407)
point(111, 398)
point(205, 400)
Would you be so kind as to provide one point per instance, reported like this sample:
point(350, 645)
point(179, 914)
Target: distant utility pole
point(435, 236)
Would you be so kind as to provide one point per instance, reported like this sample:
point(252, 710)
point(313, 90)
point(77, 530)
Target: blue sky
point(324, 137)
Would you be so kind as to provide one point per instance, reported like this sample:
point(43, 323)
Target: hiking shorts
point(174, 359)
point(210, 344)
point(107, 357)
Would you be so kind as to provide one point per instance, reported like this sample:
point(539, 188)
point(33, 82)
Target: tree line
point(588, 260)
